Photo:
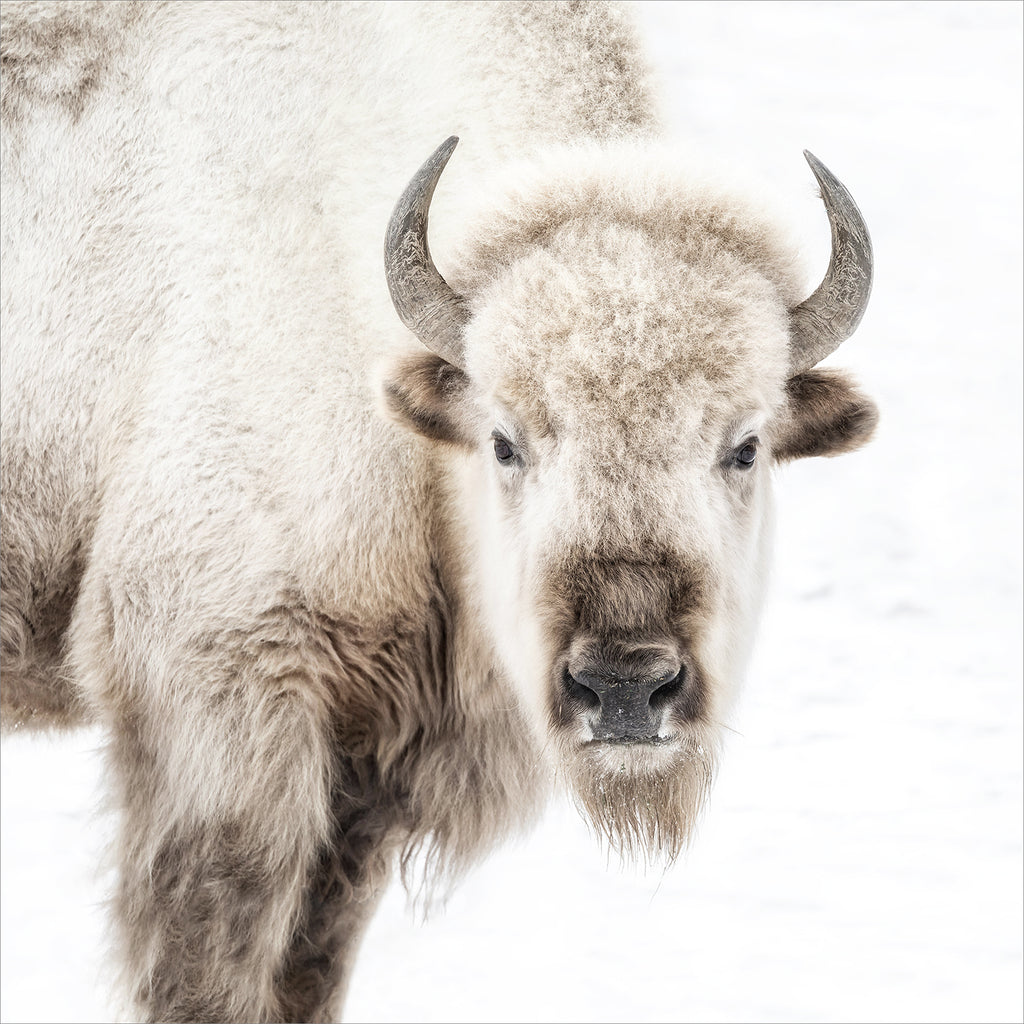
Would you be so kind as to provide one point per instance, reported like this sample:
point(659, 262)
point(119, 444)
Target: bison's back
point(194, 200)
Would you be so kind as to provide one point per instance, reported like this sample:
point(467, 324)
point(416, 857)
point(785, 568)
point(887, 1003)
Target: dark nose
point(631, 707)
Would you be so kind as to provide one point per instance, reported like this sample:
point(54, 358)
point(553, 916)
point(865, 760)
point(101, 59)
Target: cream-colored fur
point(630, 328)
point(319, 641)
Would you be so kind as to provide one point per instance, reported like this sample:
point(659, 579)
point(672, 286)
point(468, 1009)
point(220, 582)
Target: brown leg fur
point(341, 894)
point(254, 915)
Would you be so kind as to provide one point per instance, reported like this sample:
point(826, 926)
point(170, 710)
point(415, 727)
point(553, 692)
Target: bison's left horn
point(820, 324)
point(422, 297)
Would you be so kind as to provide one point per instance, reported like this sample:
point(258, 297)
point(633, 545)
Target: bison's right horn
point(422, 297)
point(821, 323)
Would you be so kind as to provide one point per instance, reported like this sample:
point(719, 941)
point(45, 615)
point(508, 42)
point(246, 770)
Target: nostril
point(668, 691)
point(578, 691)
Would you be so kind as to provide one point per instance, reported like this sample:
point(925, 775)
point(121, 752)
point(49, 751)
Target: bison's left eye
point(745, 455)
point(503, 450)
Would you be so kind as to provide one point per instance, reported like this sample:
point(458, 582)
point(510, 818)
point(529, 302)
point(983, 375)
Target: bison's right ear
point(428, 394)
point(825, 415)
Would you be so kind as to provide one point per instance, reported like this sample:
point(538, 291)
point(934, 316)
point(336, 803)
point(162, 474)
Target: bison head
point(622, 363)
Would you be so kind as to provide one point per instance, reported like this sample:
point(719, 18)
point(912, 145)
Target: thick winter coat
point(343, 590)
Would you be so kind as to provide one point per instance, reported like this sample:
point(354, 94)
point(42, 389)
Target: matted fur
point(262, 538)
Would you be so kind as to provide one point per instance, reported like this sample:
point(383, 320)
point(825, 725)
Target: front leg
point(341, 894)
point(241, 909)
point(251, 852)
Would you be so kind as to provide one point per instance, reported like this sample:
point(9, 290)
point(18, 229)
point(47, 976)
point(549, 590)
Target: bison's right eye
point(503, 451)
point(745, 456)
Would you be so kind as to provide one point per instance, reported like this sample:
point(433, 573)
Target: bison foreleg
point(343, 890)
point(245, 884)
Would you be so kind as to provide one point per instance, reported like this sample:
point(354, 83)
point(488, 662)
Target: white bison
point(341, 591)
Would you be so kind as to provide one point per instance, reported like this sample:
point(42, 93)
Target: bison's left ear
point(428, 395)
point(824, 415)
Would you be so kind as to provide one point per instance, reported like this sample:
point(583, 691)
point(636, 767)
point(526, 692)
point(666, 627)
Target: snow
point(861, 855)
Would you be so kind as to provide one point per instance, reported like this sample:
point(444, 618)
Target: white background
point(861, 857)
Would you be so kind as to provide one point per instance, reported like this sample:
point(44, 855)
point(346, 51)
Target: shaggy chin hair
point(644, 812)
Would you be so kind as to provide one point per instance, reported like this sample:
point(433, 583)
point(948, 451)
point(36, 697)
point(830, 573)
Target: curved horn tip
point(438, 160)
point(815, 164)
point(822, 175)
point(435, 163)
point(827, 180)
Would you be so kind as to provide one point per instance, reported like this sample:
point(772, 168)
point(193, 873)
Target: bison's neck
point(428, 723)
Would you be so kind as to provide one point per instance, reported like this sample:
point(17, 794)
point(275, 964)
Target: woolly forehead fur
point(612, 291)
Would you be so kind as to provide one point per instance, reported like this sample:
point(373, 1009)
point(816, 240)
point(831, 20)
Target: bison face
point(620, 389)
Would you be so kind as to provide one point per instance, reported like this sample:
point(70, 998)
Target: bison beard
point(644, 812)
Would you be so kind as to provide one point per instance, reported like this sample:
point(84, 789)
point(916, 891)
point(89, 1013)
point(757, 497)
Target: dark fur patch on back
point(59, 54)
point(826, 415)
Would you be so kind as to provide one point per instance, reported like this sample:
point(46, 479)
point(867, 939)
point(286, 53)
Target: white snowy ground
point(861, 858)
